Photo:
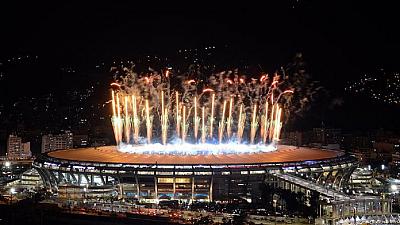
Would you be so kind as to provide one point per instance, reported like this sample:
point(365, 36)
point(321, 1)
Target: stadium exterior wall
point(188, 183)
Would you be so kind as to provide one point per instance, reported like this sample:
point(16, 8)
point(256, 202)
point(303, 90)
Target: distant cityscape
point(381, 86)
point(35, 131)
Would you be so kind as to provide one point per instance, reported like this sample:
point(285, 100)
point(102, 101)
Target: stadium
point(152, 178)
point(210, 140)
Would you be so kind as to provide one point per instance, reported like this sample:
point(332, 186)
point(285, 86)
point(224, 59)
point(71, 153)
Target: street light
point(275, 208)
point(393, 188)
point(12, 192)
point(84, 194)
point(7, 164)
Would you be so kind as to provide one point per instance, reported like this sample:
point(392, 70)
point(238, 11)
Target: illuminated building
point(16, 149)
point(55, 142)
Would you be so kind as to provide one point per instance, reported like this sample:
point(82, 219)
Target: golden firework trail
point(203, 126)
point(241, 121)
point(254, 124)
point(148, 122)
point(184, 124)
point(229, 122)
point(212, 115)
point(127, 119)
point(264, 124)
point(136, 121)
point(272, 123)
point(196, 120)
point(131, 107)
point(164, 120)
point(178, 118)
point(114, 118)
point(222, 123)
point(119, 121)
point(277, 124)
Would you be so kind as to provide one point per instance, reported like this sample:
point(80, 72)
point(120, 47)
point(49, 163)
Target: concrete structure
point(28, 180)
point(156, 177)
point(334, 205)
point(56, 142)
point(16, 149)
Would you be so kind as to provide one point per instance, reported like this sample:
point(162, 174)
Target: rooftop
point(110, 154)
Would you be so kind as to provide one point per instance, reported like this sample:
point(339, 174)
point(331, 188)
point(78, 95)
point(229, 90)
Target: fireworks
point(146, 110)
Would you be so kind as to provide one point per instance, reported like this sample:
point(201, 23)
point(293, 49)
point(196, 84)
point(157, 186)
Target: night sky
point(339, 40)
point(353, 34)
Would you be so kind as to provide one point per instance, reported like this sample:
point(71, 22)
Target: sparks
point(191, 113)
point(207, 90)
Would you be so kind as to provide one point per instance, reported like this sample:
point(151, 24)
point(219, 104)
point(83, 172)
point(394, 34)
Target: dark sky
point(340, 40)
point(355, 34)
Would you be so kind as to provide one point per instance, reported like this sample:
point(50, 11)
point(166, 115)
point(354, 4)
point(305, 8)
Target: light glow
point(148, 117)
point(196, 149)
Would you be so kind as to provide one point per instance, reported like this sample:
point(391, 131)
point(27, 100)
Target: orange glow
point(207, 90)
point(288, 91)
point(115, 84)
point(274, 83)
point(264, 77)
point(110, 154)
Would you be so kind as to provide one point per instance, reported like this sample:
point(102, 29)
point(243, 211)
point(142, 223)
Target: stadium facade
point(96, 172)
